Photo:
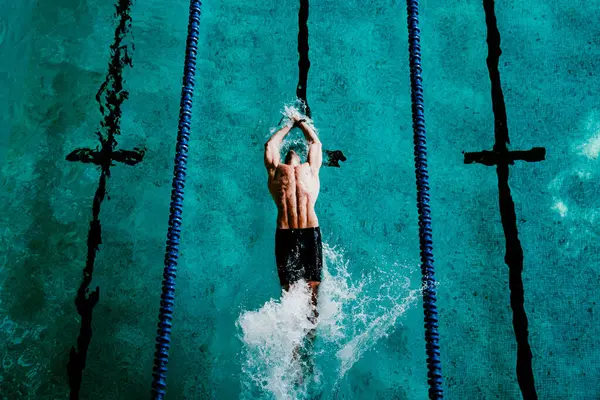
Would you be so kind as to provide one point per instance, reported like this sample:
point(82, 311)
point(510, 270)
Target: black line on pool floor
point(501, 157)
point(110, 97)
point(333, 156)
point(303, 60)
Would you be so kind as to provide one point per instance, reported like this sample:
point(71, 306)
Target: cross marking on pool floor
point(501, 157)
point(110, 97)
point(333, 156)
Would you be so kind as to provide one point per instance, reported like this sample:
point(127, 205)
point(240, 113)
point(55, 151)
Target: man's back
point(295, 190)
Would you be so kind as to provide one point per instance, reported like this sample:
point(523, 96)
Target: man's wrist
point(298, 122)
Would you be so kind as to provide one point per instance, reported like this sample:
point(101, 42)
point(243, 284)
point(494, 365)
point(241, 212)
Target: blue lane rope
point(434, 364)
point(165, 316)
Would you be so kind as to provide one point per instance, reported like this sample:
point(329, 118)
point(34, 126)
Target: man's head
point(292, 158)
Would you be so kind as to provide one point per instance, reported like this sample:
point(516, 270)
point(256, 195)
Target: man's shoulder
point(314, 170)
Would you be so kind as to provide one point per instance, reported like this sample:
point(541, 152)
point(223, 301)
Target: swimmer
point(295, 187)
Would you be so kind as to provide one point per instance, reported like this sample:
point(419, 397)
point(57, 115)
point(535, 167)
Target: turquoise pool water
point(232, 330)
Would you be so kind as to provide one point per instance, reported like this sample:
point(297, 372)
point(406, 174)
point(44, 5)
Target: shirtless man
point(295, 188)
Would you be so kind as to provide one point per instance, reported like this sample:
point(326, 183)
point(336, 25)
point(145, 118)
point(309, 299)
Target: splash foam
point(354, 314)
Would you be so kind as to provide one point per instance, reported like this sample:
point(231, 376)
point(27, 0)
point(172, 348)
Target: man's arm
point(315, 154)
point(273, 147)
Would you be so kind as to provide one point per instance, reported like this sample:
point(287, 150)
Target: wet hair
point(290, 155)
point(292, 147)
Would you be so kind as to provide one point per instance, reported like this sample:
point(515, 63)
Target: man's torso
point(295, 191)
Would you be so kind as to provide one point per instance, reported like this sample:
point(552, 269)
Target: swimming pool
point(231, 331)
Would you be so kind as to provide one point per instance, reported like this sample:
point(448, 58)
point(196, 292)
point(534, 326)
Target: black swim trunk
point(299, 254)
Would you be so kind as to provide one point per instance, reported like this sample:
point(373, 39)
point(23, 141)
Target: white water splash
point(591, 148)
point(290, 110)
point(271, 335)
point(354, 314)
point(295, 140)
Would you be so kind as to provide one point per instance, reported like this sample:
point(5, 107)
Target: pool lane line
point(501, 157)
point(110, 97)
